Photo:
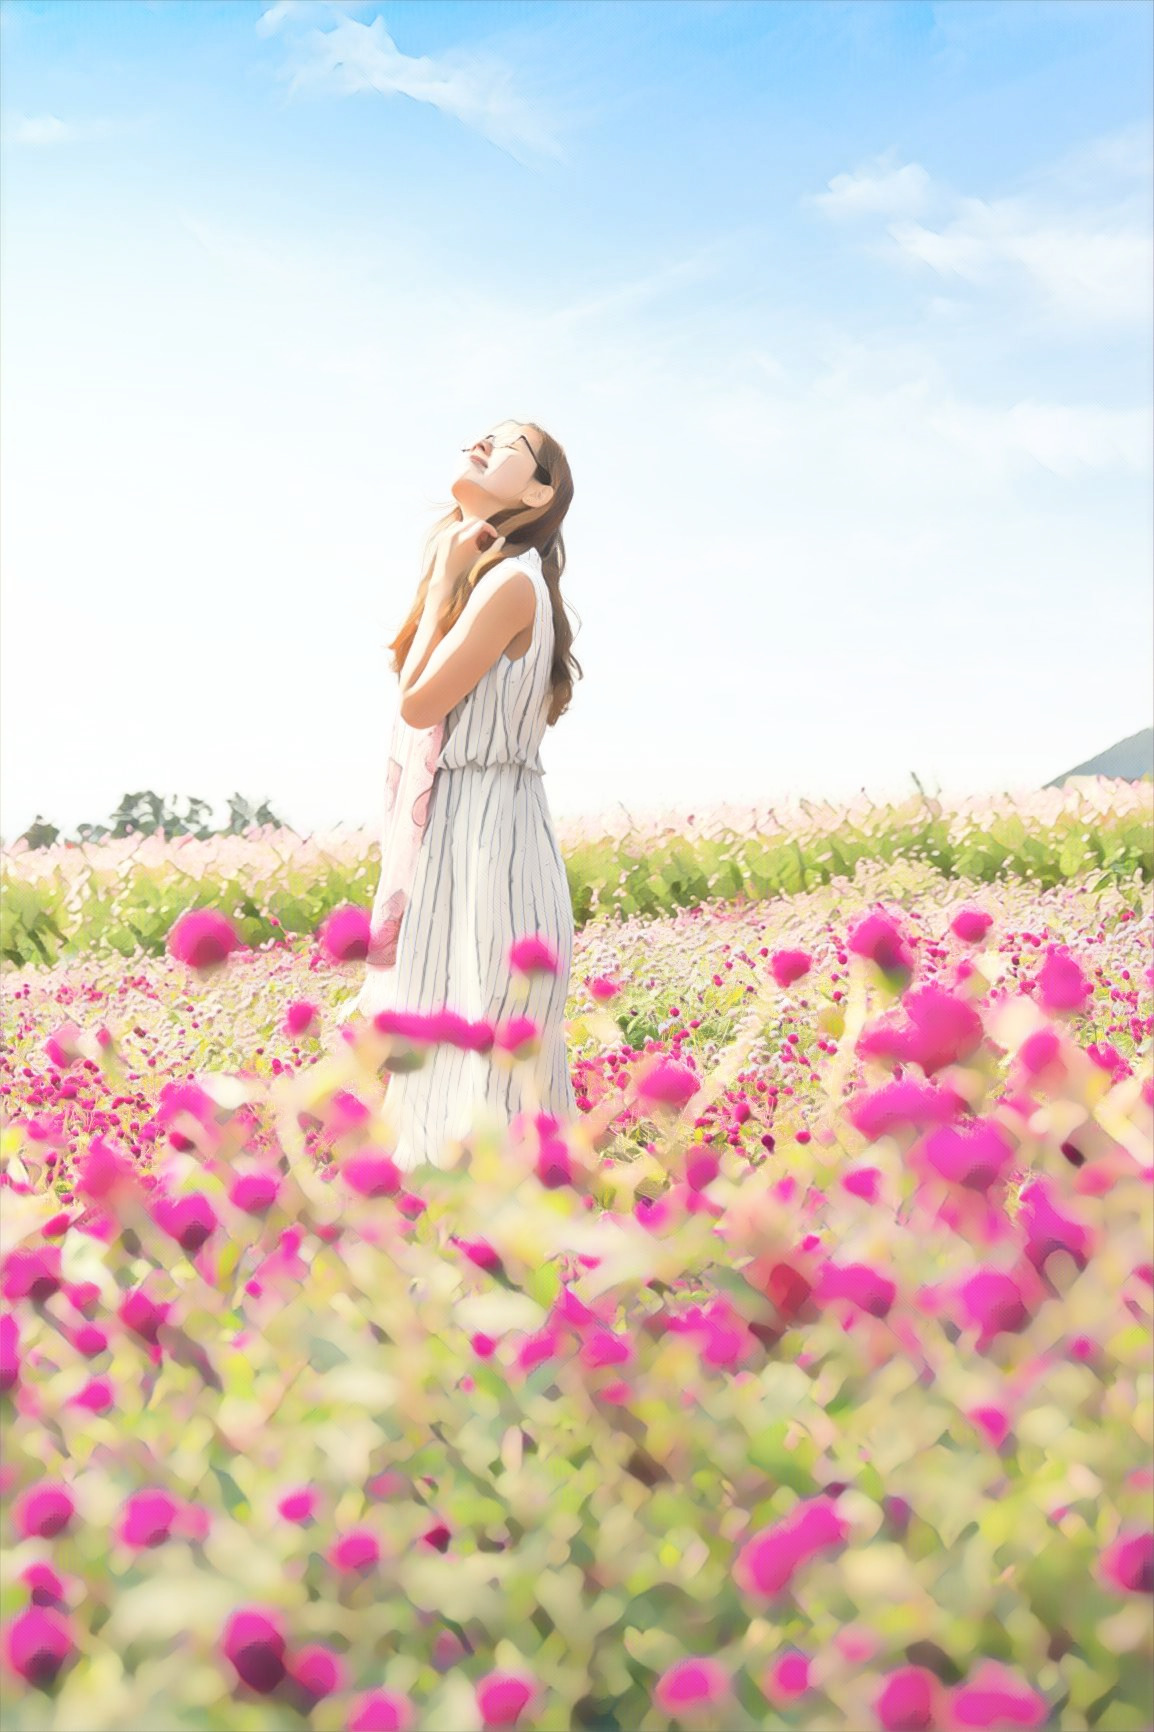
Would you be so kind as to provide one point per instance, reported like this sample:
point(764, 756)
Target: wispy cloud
point(1074, 239)
point(49, 129)
point(474, 87)
point(878, 190)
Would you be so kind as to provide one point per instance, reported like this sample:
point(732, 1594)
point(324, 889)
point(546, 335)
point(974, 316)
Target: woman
point(470, 861)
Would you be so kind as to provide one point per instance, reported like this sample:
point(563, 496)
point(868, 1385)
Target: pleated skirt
point(489, 872)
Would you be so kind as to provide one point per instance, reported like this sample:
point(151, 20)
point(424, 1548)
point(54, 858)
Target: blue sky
point(841, 311)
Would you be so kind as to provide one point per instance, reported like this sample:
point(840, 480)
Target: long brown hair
point(522, 526)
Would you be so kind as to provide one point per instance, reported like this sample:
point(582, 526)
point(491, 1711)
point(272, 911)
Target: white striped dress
point(489, 872)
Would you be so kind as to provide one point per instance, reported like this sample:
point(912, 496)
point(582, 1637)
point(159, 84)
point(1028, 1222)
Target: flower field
point(804, 1381)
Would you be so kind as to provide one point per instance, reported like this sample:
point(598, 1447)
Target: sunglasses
point(539, 474)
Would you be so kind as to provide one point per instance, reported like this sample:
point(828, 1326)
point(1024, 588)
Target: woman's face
point(497, 472)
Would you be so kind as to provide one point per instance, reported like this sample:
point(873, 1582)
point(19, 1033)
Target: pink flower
point(864, 1182)
point(31, 1274)
point(102, 1174)
point(997, 1698)
point(44, 1585)
point(993, 1302)
point(300, 1017)
point(520, 1035)
point(144, 1318)
point(254, 1645)
point(480, 1252)
point(668, 1084)
point(44, 1511)
point(910, 1701)
point(502, 1697)
point(63, 1046)
point(971, 924)
point(941, 1030)
point(1047, 1230)
point(298, 1506)
point(355, 1552)
point(1127, 1565)
point(876, 937)
point(382, 1711)
point(545, 1344)
point(789, 965)
point(147, 1519)
point(787, 1678)
point(994, 1421)
point(371, 1174)
point(691, 1684)
point(603, 989)
point(858, 1283)
point(344, 935)
point(974, 1154)
point(533, 955)
point(254, 1193)
point(877, 1112)
point(96, 1396)
point(767, 1562)
point(190, 1220)
point(1061, 984)
point(317, 1670)
point(36, 1644)
point(604, 1348)
point(203, 939)
point(9, 1352)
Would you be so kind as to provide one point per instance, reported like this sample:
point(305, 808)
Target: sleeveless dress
point(489, 872)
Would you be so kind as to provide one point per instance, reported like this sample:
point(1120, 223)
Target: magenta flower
point(254, 1645)
point(147, 1519)
point(144, 1318)
point(36, 1645)
point(382, 1711)
point(993, 1421)
point(317, 1670)
point(502, 1697)
point(668, 1084)
point(974, 1154)
point(9, 1352)
point(545, 1344)
point(1061, 984)
point(910, 1701)
point(298, 1506)
point(480, 1252)
point(372, 1174)
point(355, 1552)
point(300, 1017)
point(787, 1678)
point(1127, 1565)
point(43, 1511)
point(31, 1274)
point(691, 1684)
point(767, 1562)
point(602, 1347)
point(344, 935)
point(941, 1030)
point(96, 1396)
point(1047, 1230)
point(790, 965)
point(992, 1301)
point(863, 1182)
point(877, 1112)
point(63, 1046)
point(520, 1035)
point(1040, 1050)
point(44, 1586)
point(971, 924)
point(876, 937)
point(861, 1285)
point(996, 1698)
point(254, 1193)
point(103, 1174)
point(203, 939)
point(190, 1220)
point(554, 1166)
point(533, 954)
point(603, 989)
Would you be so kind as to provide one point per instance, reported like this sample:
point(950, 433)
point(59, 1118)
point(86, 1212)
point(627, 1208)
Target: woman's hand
point(459, 547)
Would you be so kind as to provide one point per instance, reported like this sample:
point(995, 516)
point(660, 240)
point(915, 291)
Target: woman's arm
point(428, 635)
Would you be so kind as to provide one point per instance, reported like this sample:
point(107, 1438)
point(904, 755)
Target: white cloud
point(1077, 244)
point(474, 87)
point(881, 191)
point(302, 11)
point(49, 129)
